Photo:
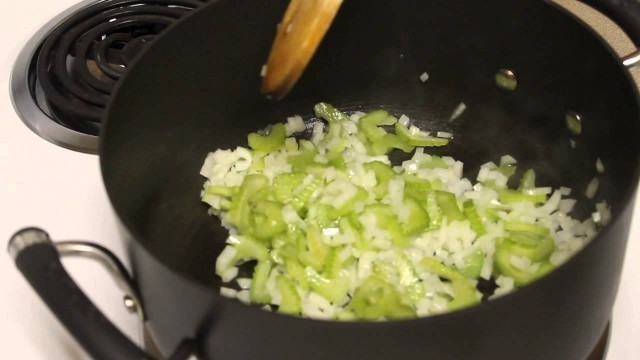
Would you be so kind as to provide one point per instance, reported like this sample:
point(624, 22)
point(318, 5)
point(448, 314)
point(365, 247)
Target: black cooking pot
point(197, 89)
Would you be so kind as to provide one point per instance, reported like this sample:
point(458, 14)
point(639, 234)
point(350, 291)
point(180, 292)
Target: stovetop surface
point(61, 191)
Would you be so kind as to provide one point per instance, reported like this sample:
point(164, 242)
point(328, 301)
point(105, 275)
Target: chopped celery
point(507, 170)
point(369, 125)
point(334, 290)
point(409, 277)
point(299, 162)
point(297, 273)
point(225, 191)
point(524, 238)
point(329, 113)
point(418, 217)
point(284, 184)
point(249, 249)
point(475, 221)
point(417, 187)
point(539, 252)
point(337, 161)
point(376, 298)
point(299, 200)
point(492, 215)
point(267, 220)
point(325, 215)
point(383, 173)
point(433, 210)
point(290, 302)
point(511, 225)
point(271, 142)
point(239, 212)
point(502, 259)
point(464, 292)
point(386, 219)
point(418, 139)
point(436, 162)
point(528, 180)
point(389, 142)
point(473, 262)
point(347, 228)
point(333, 265)
point(258, 292)
point(348, 206)
point(316, 251)
point(449, 206)
point(512, 196)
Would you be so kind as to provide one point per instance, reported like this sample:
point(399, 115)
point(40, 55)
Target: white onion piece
point(592, 188)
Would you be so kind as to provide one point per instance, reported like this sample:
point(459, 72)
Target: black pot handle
point(626, 14)
point(39, 261)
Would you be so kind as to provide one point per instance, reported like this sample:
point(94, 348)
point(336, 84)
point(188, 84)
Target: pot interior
point(197, 90)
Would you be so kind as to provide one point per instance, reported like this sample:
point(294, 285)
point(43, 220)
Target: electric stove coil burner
point(82, 59)
point(64, 77)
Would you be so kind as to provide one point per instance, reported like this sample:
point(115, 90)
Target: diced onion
point(458, 111)
point(599, 166)
point(592, 188)
point(228, 292)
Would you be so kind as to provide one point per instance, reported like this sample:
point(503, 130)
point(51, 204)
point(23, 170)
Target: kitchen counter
point(61, 191)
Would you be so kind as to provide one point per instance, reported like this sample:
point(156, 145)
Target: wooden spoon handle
point(302, 29)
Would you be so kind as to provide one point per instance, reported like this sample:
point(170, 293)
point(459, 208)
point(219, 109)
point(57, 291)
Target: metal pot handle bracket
point(626, 14)
point(38, 259)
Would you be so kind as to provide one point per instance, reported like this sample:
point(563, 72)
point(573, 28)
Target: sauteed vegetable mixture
point(338, 232)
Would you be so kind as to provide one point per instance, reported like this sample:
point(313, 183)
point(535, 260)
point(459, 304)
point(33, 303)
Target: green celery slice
point(474, 262)
point(418, 220)
point(436, 162)
point(507, 170)
point(225, 191)
point(334, 290)
point(465, 292)
point(528, 180)
point(290, 302)
point(250, 249)
point(300, 200)
point(387, 220)
point(419, 140)
point(375, 299)
point(449, 205)
point(267, 220)
point(284, 184)
point(299, 162)
point(512, 196)
point(239, 212)
point(435, 214)
point(475, 221)
point(387, 143)
point(384, 173)
point(520, 226)
point(502, 259)
point(537, 253)
point(297, 273)
point(316, 252)
point(370, 123)
point(258, 292)
point(271, 142)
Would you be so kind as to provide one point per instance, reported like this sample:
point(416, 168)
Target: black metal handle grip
point(625, 13)
point(37, 259)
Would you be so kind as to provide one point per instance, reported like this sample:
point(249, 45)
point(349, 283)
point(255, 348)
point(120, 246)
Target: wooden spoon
point(302, 29)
